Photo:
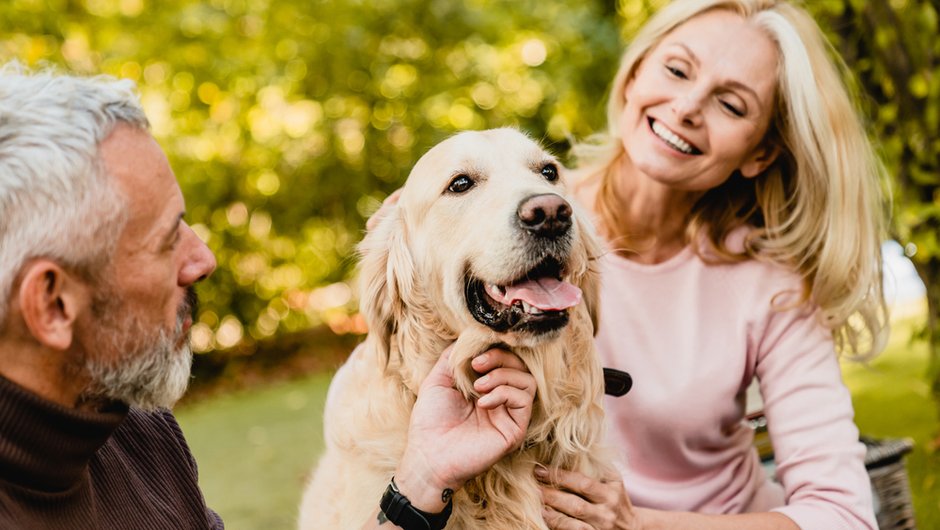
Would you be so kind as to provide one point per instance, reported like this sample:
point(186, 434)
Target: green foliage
point(288, 121)
point(892, 47)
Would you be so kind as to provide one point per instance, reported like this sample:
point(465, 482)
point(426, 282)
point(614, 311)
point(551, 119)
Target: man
point(97, 268)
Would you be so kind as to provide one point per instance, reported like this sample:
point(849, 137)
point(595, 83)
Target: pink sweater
point(693, 336)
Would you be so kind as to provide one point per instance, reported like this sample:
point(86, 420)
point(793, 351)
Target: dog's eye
point(550, 172)
point(460, 184)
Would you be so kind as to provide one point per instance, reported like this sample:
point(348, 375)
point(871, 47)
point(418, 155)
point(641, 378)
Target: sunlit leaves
point(288, 121)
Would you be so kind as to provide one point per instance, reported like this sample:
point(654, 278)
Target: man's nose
point(199, 260)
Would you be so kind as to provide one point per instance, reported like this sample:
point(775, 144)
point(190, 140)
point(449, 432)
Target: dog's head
point(482, 235)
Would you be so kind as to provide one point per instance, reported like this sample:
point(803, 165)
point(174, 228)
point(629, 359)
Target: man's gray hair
point(56, 201)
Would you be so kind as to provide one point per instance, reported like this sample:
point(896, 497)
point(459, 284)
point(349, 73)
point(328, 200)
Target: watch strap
point(399, 510)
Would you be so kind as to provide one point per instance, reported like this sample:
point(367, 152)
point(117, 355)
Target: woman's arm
point(578, 502)
point(820, 461)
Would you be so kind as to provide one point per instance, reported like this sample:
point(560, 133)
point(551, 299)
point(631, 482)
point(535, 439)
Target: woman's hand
point(574, 501)
point(452, 440)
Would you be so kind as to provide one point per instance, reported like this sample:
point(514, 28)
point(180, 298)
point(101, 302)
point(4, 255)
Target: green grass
point(255, 448)
point(892, 400)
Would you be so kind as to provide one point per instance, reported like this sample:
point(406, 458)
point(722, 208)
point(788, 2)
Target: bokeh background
point(288, 121)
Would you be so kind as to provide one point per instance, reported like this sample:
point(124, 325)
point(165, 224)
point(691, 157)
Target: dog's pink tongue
point(547, 294)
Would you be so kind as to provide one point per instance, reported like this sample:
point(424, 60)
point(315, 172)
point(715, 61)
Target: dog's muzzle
point(538, 300)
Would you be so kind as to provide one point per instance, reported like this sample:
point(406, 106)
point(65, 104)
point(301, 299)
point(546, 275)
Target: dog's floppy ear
point(590, 289)
point(386, 271)
point(590, 276)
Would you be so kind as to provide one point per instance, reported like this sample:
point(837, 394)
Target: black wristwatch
point(398, 509)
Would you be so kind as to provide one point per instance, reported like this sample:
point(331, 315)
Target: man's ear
point(50, 300)
point(760, 159)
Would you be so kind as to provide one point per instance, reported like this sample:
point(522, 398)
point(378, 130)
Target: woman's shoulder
point(747, 274)
point(736, 253)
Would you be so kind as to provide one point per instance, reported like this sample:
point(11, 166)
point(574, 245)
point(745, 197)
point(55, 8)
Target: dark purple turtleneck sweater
point(121, 469)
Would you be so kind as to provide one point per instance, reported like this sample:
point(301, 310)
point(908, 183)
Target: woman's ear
point(760, 159)
point(50, 300)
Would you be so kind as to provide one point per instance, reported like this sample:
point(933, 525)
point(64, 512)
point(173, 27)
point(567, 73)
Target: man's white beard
point(134, 365)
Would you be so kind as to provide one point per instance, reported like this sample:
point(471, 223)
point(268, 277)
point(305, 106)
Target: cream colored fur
point(412, 275)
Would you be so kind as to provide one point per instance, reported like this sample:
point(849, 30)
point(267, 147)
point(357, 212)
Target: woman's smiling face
point(700, 102)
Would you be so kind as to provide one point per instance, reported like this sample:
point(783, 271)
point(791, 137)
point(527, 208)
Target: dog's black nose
point(546, 215)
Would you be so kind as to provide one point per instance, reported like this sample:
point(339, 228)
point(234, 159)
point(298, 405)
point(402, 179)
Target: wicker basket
point(884, 461)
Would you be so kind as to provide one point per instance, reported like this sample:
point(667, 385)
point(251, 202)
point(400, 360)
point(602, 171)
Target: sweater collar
point(45, 446)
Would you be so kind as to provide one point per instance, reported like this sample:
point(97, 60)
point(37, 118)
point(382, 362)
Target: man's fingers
point(496, 358)
point(505, 376)
point(511, 397)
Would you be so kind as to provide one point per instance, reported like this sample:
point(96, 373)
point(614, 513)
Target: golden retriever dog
point(483, 249)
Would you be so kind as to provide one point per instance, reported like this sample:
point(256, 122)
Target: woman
point(740, 200)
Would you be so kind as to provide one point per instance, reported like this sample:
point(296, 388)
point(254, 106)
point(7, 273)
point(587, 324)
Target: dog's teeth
point(530, 309)
point(495, 292)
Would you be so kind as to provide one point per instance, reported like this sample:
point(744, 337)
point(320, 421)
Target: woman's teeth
point(674, 141)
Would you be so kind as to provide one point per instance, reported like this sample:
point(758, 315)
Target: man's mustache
point(190, 305)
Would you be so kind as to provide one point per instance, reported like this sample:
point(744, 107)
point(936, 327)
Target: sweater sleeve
point(819, 458)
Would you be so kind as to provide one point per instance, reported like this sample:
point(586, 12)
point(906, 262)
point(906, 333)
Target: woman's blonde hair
point(818, 208)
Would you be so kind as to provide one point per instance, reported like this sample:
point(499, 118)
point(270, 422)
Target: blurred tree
point(288, 121)
point(892, 47)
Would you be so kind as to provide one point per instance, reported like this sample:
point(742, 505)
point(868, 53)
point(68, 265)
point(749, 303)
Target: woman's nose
point(687, 107)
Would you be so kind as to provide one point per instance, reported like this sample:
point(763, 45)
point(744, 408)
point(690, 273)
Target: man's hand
point(451, 440)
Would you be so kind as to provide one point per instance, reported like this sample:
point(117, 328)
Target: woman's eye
point(460, 184)
point(732, 109)
point(677, 72)
point(550, 172)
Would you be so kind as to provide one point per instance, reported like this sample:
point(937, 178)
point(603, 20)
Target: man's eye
point(460, 184)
